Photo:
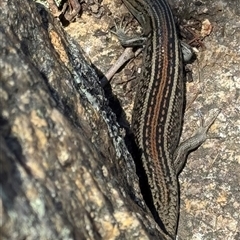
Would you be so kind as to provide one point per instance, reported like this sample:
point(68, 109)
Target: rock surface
point(210, 180)
point(65, 170)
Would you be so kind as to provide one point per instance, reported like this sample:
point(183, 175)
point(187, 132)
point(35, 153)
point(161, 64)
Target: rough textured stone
point(71, 121)
point(210, 180)
point(65, 170)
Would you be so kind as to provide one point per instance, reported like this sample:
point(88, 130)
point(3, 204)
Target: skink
point(158, 111)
